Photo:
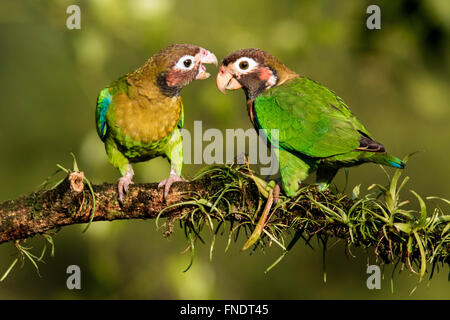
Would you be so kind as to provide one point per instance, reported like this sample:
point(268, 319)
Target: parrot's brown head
point(254, 70)
point(174, 67)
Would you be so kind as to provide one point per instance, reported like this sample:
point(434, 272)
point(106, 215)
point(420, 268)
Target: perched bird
point(139, 115)
point(316, 129)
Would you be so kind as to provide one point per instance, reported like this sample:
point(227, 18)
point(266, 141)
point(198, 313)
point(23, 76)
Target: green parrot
point(139, 115)
point(316, 129)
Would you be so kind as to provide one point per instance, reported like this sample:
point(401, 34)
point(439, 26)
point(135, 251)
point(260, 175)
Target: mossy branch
point(69, 204)
point(231, 198)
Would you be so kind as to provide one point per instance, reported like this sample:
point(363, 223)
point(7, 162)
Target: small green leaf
point(410, 241)
point(75, 164)
point(405, 227)
point(423, 209)
point(191, 240)
point(91, 189)
point(423, 263)
point(356, 191)
point(291, 244)
point(9, 269)
point(402, 184)
point(63, 169)
point(342, 219)
point(439, 198)
point(446, 229)
point(211, 248)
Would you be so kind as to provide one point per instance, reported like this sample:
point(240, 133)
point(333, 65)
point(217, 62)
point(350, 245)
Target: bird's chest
point(142, 123)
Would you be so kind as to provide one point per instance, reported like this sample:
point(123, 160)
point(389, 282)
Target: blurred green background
point(396, 80)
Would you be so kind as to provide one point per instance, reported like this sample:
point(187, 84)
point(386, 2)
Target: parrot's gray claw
point(167, 183)
point(122, 186)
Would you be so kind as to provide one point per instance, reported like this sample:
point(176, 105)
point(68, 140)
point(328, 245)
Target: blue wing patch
point(103, 102)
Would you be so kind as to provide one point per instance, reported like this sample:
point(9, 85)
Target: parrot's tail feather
point(389, 160)
point(400, 164)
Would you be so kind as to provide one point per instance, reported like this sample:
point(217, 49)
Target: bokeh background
point(396, 80)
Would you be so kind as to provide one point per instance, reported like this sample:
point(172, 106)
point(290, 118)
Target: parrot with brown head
point(311, 128)
point(139, 115)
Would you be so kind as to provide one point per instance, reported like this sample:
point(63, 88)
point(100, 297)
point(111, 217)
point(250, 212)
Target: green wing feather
point(311, 119)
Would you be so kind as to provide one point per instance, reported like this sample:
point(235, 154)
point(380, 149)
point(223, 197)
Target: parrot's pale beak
point(205, 56)
point(226, 81)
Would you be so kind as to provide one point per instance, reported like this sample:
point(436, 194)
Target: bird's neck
point(150, 77)
point(282, 73)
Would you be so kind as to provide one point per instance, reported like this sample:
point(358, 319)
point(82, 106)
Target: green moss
point(377, 221)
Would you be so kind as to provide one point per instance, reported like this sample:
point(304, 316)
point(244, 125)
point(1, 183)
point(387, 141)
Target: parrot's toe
point(122, 186)
point(167, 183)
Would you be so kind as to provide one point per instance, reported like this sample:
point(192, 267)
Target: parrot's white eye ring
point(186, 62)
point(245, 65)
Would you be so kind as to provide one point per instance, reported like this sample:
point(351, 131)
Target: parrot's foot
point(123, 184)
point(167, 183)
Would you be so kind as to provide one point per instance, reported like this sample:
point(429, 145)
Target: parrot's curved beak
point(205, 56)
point(226, 81)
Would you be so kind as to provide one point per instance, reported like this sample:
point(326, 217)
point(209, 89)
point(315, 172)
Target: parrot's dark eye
point(185, 63)
point(243, 65)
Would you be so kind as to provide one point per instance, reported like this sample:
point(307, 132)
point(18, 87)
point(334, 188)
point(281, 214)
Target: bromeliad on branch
point(139, 114)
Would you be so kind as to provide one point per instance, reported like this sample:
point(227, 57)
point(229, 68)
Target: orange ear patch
point(265, 73)
point(174, 77)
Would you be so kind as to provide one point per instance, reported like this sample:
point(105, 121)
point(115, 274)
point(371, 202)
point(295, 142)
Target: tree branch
point(69, 204)
point(233, 194)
